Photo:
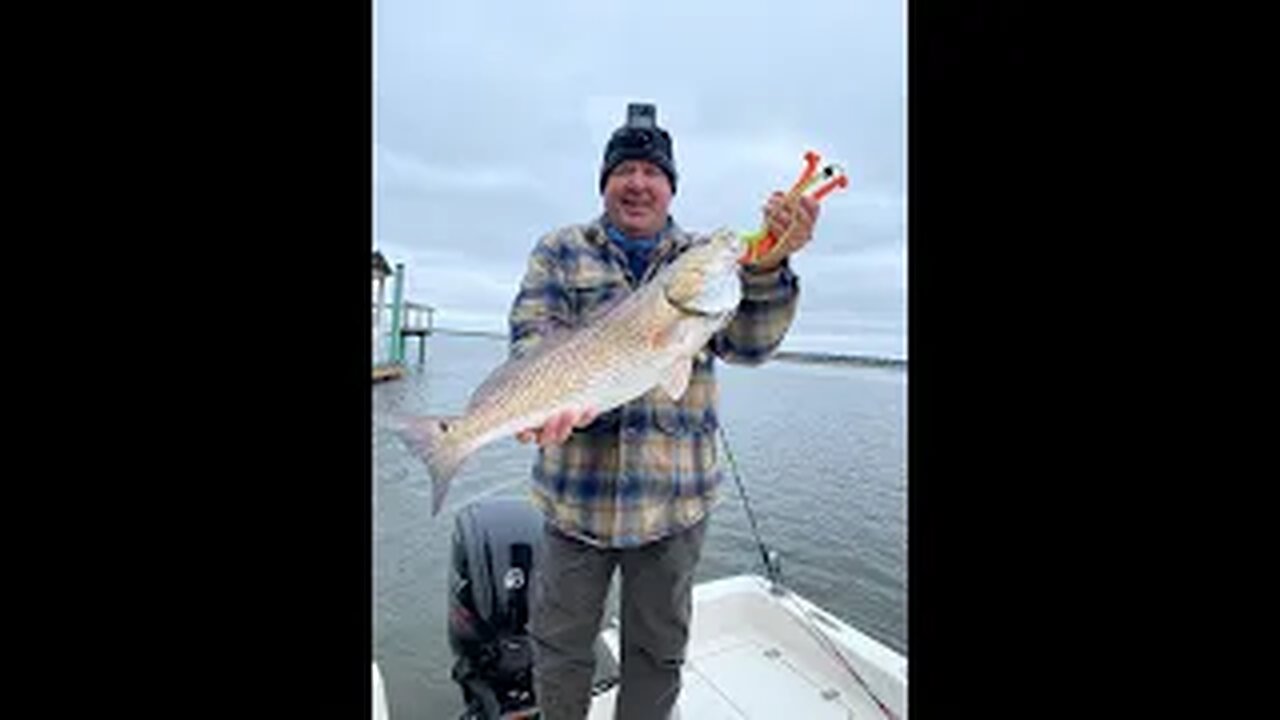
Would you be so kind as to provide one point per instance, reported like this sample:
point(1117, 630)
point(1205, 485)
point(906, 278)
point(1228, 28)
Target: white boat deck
point(753, 654)
point(379, 695)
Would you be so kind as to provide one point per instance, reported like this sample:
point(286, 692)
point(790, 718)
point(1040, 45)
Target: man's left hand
point(779, 217)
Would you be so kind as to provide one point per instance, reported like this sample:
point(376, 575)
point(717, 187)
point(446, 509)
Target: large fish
point(647, 339)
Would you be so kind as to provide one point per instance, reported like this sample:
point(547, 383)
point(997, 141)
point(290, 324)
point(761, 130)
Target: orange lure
point(761, 243)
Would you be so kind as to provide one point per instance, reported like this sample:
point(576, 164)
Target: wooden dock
point(387, 372)
point(414, 321)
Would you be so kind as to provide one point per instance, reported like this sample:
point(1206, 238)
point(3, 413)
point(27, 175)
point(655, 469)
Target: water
point(821, 451)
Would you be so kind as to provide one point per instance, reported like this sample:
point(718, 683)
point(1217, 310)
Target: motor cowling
point(490, 580)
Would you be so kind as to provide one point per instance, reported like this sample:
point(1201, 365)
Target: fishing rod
point(759, 246)
point(773, 568)
point(824, 641)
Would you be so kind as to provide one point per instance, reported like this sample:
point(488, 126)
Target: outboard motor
point(494, 543)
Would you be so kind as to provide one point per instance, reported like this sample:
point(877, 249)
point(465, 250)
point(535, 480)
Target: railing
point(407, 319)
point(415, 319)
point(415, 316)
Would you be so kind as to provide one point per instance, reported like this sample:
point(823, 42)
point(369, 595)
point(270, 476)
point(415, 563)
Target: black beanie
point(639, 139)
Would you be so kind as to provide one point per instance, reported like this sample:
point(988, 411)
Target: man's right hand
point(556, 430)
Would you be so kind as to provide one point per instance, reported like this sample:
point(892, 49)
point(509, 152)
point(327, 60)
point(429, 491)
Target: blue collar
point(638, 250)
point(626, 241)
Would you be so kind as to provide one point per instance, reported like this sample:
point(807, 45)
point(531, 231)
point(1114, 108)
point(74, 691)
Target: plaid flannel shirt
point(649, 468)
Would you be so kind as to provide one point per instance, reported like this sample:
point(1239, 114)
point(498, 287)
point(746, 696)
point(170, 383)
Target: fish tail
point(435, 441)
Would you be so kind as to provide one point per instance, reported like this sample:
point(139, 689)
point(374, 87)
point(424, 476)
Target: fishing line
point(774, 572)
point(770, 560)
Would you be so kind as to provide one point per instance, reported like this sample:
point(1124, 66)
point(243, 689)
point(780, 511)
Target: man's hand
point(557, 429)
point(779, 217)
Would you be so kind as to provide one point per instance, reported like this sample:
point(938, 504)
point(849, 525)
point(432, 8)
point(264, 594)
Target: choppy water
point(821, 451)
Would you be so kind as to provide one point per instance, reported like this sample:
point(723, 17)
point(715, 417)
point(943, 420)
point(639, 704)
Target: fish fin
point(429, 439)
point(676, 380)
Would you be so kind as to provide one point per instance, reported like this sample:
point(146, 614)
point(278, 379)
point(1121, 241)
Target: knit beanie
point(640, 139)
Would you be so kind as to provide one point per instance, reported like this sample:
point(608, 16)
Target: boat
point(379, 695)
point(757, 649)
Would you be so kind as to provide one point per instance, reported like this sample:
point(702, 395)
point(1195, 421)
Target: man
point(632, 487)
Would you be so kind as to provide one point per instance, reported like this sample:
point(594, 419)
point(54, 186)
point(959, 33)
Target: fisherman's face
point(636, 197)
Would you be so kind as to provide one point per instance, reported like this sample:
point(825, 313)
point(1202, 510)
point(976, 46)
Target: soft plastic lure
point(761, 243)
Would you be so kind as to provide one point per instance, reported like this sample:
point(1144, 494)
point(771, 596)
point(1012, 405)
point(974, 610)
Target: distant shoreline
point(815, 358)
point(469, 333)
point(809, 358)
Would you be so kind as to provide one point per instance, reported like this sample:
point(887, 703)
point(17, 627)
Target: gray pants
point(568, 602)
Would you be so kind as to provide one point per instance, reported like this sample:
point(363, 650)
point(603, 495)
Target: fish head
point(704, 279)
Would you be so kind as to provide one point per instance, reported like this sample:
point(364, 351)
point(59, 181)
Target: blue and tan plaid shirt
point(649, 468)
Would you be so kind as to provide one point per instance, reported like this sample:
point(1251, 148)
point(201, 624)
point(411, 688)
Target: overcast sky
point(491, 120)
